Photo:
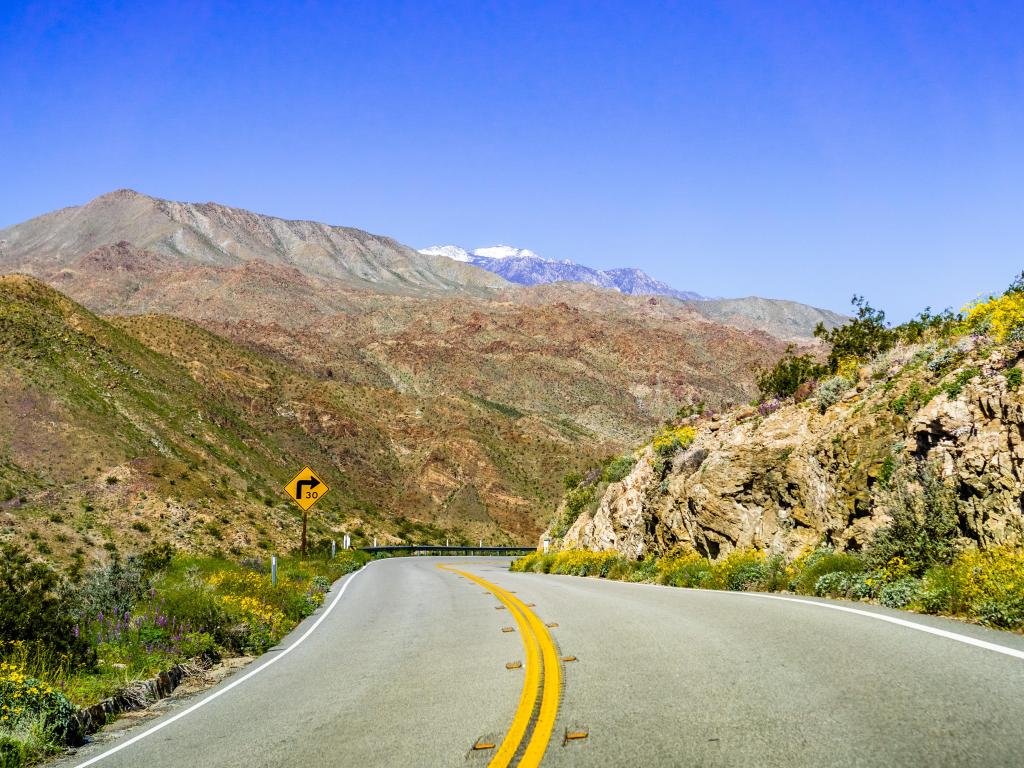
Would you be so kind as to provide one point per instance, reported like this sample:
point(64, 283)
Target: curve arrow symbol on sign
point(311, 483)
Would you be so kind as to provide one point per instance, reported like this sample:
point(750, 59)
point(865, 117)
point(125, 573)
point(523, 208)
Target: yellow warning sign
point(306, 489)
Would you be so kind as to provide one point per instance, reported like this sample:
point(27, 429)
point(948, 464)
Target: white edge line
point(220, 691)
point(966, 639)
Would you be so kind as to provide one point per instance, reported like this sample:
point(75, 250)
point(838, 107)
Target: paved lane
point(409, 669)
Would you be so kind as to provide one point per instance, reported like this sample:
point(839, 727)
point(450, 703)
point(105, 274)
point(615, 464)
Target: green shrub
point(830, 391)
point(863, 337)
point(941, 325)
point(525, 563)
point(923, 519)
point(885, 472)
point(543, 563)
point(644, 570)
point(111, 589)
point(32, 611)
point(808, 570)
point(155, 559)
point(899, 593)
point(785, 377)
point(1007, 613)
point(572, 480)
point(741, 569)
point(576, 501)
point(622, 569)
point(1014, 377)
point(618, 468)
point(915, 398)
point(956, 386)
point(836, 584)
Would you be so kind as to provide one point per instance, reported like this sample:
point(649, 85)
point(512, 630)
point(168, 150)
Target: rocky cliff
point(785, 477)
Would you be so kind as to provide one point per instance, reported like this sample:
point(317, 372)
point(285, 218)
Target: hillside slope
point(782, 319)
point(612, 364)
point(132, 428)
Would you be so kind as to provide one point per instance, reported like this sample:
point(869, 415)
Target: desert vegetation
point(868, 338)
point(68, 641)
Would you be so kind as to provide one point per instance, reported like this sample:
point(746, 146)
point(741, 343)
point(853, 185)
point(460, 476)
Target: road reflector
point(514, 665)
point(574, 735)
point(569, 658)
point(508, 629)
point(484, 745)
point(531, 605)
point(306, 488)
point(552, 624)
point(499, 607)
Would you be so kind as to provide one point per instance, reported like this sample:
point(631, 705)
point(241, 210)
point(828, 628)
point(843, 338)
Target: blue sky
point(790, 149)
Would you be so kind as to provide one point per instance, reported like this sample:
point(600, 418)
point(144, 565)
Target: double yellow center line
point(543, 680)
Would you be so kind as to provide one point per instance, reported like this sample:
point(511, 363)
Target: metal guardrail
point(435, 549)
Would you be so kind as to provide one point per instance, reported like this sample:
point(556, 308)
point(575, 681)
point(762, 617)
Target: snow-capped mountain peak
point(451, 251)
point(506, 252)
point(523, 266)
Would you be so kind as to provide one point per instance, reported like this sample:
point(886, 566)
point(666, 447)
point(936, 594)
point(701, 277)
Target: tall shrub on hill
point(923, 527)
point(864, 336)
point(31, 611)
point(785, 377)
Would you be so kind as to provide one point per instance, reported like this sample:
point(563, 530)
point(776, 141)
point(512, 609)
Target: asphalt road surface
point(407, 665)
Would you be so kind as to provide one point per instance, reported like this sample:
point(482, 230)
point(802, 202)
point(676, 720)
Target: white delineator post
point(334, 549)
point(547, 543)
point(273, 570)
point(348, 542)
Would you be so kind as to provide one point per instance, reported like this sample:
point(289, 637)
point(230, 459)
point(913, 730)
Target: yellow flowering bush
point(583, 562)
point(849, 367)
point(896, 568)
point(26, 701)
point(1001, 315)
point(987, 584)
point(687, 569)
point(670, 439)
point(255, 610)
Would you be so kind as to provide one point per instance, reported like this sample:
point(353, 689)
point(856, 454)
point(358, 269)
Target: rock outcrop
point(794, 478)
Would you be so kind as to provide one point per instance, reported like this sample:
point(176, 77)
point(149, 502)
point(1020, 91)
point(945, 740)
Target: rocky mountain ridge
point(211, 234)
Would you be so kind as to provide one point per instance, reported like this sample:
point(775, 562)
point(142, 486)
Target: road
point(408, 668)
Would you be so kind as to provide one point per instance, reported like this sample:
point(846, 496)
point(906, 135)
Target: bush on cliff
point(923, 526)
point(784, 378)
point(866, 335)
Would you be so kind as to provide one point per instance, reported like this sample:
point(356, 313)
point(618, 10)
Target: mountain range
point(152, 341)
point(785, 319)
point(523, 266)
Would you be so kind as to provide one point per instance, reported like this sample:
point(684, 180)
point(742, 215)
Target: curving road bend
point(405, 665)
